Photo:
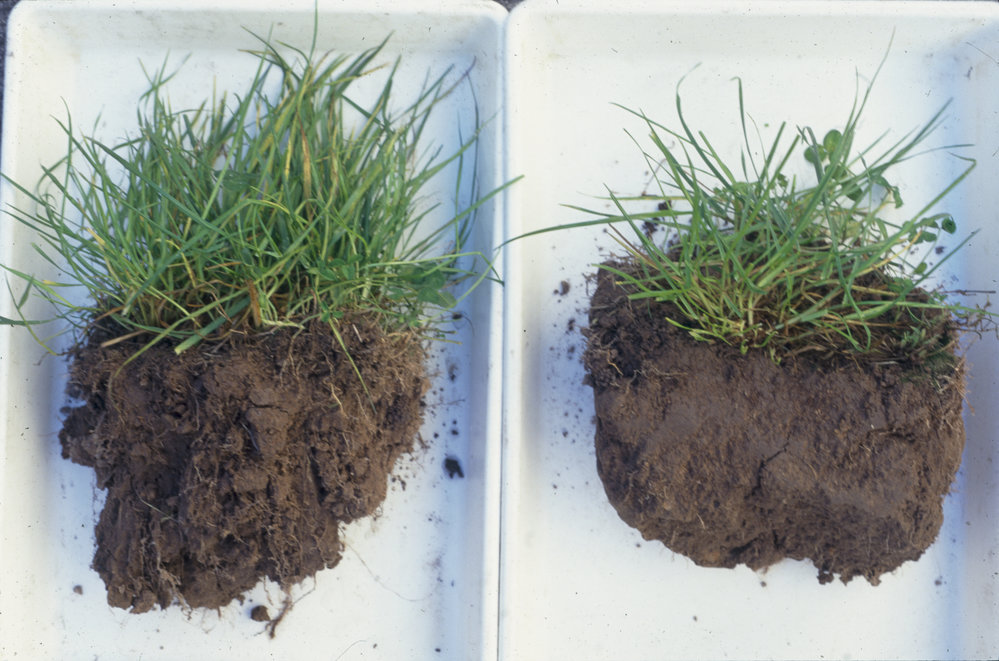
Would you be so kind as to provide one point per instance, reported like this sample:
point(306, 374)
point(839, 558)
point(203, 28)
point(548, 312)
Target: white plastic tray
point(418, 580)
point(578, 583)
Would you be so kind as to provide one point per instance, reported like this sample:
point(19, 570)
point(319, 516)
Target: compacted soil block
point(237, 460)
point(734, 459)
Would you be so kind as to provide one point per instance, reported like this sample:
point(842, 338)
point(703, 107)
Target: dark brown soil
point(732, 459)
point(238, 460)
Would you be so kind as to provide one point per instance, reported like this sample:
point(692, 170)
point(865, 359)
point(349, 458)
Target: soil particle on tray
point(733, 459)
point(260, 613)
point(227, 465)
point(453, 468)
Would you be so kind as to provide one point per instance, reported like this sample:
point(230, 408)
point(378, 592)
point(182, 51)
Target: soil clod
point(226, 466)
point(734, 459)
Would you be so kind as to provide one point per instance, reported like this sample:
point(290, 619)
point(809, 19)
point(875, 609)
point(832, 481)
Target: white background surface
point(416, 581)
point(580, 584)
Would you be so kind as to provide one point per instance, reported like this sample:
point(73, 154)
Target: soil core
point(237, 460)
point(730, 458)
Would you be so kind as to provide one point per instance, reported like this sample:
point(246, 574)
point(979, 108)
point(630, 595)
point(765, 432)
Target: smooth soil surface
point(732, 459)
point(237, 460)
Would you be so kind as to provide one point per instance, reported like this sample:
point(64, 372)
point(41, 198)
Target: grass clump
point(256, 211)
point(757, 260)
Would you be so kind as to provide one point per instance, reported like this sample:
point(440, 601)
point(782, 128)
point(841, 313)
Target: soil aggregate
point(734, 459)
point(453, 468)
point(239, 460)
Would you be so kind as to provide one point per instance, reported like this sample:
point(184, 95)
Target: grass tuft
point(257, 211)
point(757, 260)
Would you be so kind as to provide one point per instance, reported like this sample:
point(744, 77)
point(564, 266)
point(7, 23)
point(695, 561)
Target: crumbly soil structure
point(240, 459)
point(733, 459)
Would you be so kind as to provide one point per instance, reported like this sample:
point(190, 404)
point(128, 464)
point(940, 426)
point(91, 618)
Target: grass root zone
point(731, 458)
point(237, 462)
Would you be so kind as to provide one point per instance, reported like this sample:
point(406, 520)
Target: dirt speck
point(453, 468)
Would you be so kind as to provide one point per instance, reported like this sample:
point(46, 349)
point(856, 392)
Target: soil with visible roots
point(734, 459)
point(238, 460)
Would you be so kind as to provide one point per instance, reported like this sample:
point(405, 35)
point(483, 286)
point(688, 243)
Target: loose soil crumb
point(453, 468)
point(732, 459)
point(238, 460)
